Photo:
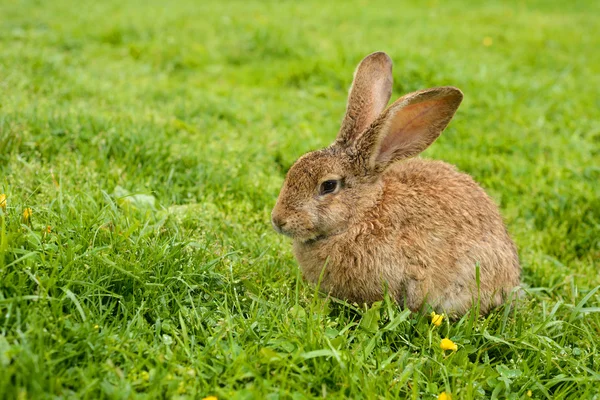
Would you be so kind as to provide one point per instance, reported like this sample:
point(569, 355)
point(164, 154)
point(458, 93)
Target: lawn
point(143, 145)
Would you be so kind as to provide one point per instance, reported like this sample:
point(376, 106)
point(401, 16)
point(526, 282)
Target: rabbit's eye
point(328, 187)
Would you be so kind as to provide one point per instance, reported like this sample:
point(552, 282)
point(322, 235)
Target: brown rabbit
point(365, 215)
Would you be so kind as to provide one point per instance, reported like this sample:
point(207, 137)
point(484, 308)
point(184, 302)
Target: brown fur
point(419, 227)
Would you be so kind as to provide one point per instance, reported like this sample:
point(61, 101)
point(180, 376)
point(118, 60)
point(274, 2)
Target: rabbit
point(365, 217)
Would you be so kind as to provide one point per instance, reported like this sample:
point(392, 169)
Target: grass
point(150, 143)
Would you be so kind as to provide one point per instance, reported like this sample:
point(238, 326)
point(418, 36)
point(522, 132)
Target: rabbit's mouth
point(323, 236)
point(315, 239)
point(307, 239)
point(299, 236)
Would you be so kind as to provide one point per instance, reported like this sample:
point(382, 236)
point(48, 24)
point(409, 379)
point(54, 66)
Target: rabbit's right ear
point(408, 126)
point(369, 94)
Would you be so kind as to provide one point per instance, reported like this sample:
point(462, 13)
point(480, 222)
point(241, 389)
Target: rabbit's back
point(447, 227)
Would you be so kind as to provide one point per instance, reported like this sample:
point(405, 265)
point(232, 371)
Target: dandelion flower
point(210, 398)
point(27, 214)
point(3, 202)
point(529, 393)
point(447, 344)
point(436, 319)
point(444, 396)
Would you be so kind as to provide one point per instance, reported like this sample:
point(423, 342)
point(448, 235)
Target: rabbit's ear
point(408, 126)
point(369, 94)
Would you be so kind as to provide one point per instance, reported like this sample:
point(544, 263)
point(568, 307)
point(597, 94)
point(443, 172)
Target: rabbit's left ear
point(369, 94)
point(408, 126)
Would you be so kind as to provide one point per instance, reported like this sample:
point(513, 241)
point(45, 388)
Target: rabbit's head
point(326, 190)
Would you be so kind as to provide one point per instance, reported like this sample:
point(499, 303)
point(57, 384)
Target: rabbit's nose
point(277, 222)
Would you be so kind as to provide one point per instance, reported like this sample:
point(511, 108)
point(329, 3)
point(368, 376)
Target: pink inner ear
point(410, 129)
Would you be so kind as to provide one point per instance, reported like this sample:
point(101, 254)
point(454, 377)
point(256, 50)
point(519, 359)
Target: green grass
point(203, 106)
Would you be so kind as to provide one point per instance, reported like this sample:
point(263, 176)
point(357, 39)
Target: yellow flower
point(27, 214)
point(529, 393)
point(447, 344)
point(210, 398)
point(444, 396)
point(436, 319)
point(3, 202)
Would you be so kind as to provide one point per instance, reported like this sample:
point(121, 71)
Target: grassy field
point(148, 144)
